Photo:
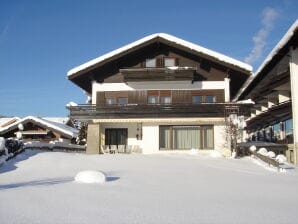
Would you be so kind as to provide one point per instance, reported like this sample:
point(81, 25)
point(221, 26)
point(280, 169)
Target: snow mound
point(216, 154)
point(263, 151)
point(252, 148)
point(281, 158)
point(271, 154)
point(90, 176)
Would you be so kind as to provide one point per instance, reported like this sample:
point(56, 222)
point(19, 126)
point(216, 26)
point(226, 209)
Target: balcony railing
point(91, 111)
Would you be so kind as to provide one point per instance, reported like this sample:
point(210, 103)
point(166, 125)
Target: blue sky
point(41, 40)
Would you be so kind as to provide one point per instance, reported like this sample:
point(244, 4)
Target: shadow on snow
point(11, 164)
point(46, 182)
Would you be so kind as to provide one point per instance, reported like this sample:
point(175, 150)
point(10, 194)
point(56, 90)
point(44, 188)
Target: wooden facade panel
point(153, 92)
point(100, 98)
point(181, 96)
point(137, 97)
point(178, 96)
point(116, 94)
point(165, 93)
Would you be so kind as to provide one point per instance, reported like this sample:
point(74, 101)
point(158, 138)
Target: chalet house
point(159, 93)
point(274, 89)
point(40, 129)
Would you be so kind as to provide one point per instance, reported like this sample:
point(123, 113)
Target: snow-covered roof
point(284, 40)
point(7, 120)
point(217, 56)
point(61, 120)
point(62, 128)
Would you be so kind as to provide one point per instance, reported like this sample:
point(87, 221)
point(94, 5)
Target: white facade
point(149, 143)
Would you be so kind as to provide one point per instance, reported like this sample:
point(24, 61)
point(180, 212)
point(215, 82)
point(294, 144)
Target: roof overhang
point(290, 39)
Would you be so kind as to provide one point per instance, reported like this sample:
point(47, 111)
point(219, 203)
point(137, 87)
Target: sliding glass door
point(116, 136)
point(186, 137)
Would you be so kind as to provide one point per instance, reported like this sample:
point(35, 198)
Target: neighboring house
point(39, 129)
point(159, 93)
point(274, 89)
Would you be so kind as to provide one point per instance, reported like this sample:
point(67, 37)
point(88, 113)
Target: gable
point(206, 68)
point(150, 46)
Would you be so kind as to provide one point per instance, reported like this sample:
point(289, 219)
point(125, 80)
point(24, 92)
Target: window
point(169, 62)
point(186, 137)
point(123, 100)
point(110, 101)
point(165, 100)
point(152, 99)
point(289, 131)
point(197, 99)
point(276, 132)
point(150, 63)
point(210, 99)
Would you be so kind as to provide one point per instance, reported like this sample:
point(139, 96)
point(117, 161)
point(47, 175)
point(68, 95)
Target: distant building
point(39, 129)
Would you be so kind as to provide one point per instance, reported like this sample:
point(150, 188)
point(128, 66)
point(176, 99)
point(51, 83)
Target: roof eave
point(272, 56)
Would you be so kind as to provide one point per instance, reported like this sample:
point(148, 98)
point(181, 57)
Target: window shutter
point(177, 61)
point(100, 98)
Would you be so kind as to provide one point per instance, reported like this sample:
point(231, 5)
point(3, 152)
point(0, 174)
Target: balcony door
point(186, 137)
point(116, 136)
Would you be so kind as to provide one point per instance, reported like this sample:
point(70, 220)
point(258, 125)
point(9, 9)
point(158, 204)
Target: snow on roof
point(61, 120)
point(7, 120)
point(173, 39)
point(50, 124)
point(284, 40)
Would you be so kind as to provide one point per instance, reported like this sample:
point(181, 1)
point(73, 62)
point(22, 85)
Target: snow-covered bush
point(263, 151)
point(271, 154)
point(253, 148)
point(281, 158)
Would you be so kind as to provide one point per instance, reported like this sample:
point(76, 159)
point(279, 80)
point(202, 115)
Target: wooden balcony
point(158, 74)
point(90, 111)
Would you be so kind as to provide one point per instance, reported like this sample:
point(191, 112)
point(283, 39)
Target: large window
point(116, 136)
point(186, 137)
point(289, 131)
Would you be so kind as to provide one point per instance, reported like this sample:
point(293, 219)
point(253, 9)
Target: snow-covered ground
point(39, 187)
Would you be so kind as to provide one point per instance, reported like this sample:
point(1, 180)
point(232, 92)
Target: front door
point(116, 136)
